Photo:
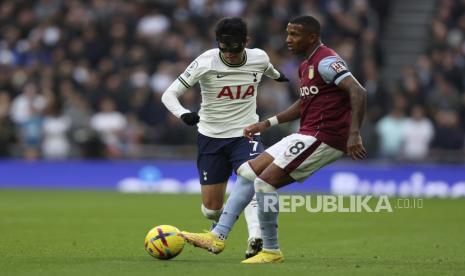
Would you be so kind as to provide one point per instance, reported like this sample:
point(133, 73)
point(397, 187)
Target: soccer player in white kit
point(228, 76)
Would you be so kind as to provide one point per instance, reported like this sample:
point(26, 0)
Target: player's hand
point(255, 128)
point(282, 77)
point(355, 147)
point(190, 119)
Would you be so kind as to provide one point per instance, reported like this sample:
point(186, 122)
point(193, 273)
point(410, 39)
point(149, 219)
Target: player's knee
point(211, 214)
point(263, 187)
point(246, 172)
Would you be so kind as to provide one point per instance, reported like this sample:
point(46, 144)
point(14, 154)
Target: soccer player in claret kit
point(229, 76)
point(331, 110)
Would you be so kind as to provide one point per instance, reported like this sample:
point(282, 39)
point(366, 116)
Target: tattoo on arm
point(357, 101)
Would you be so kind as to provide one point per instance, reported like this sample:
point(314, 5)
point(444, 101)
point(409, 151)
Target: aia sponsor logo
point(237, 92)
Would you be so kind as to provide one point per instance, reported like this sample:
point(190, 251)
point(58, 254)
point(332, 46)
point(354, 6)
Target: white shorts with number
point(302, 155)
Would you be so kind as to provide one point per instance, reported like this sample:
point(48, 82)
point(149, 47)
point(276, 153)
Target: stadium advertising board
point(181, 176)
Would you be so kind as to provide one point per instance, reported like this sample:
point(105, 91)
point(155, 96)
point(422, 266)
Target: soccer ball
point(164, 242)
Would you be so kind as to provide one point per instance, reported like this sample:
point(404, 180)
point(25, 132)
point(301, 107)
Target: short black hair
point(309, 23)
point(231, 26)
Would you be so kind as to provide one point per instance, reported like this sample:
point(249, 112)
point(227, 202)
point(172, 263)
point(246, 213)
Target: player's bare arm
point(358, 104)
point(288, 115)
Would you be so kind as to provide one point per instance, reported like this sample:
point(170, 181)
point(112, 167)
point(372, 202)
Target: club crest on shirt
point(311, 72)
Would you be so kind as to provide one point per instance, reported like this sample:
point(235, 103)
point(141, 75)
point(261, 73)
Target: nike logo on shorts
point(220, 76)
point(254, 153)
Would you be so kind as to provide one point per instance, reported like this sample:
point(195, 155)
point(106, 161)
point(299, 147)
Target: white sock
point(251, 217)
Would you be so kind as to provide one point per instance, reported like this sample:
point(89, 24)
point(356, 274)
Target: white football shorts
point(302, 155)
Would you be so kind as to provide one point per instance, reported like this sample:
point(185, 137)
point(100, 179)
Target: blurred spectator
point(410, 87)
point(418, 133)
point(369, 133)
point(449, 139)
point(109, 124)
point(55, 127)
point(31, 135)
point(27, 105)
point(133, 135)
point(175, 132)
point(390, 129)
point(443, 95)
point(425, 71)
point(7, 127)
point(26, 112)
point(377, 96)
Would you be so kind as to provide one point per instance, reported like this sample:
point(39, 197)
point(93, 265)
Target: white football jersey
point(229, 92)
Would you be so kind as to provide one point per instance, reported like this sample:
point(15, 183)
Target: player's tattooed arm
point(358, 104)
point(290, 114)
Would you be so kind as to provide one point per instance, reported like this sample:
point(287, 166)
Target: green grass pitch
point(102, 233)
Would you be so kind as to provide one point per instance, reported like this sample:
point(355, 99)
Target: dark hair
point(309, 23)
point(231, 26)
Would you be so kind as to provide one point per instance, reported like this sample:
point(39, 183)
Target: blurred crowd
point(84, 78)
point(424, 117)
